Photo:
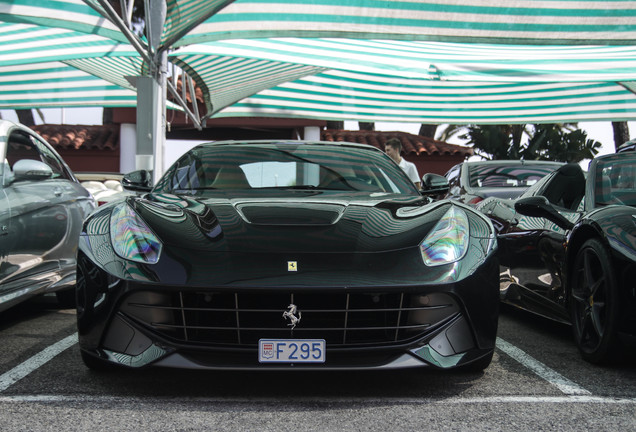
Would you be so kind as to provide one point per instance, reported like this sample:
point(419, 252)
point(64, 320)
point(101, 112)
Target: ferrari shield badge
point(292, 266)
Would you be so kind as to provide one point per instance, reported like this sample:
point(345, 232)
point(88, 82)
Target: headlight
point(448, 241)
point(131, 237)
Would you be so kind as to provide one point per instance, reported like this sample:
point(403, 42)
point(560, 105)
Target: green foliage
point(561, 143)
point(495, 141)
point(555, 142)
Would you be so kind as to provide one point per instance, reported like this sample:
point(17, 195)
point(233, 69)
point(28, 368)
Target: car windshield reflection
point(506, 175)
point(615, 182)
point(241, 167)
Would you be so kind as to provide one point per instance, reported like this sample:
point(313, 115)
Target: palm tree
point(25, 116)
point(561, 142)
point(428, 130)
point(621, 133)
point(490, 141)
point(452, 130)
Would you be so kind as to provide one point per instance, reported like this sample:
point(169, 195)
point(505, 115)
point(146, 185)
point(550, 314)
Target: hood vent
point(290, 215)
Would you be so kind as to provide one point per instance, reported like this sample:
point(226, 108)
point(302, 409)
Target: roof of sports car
point(287, 142)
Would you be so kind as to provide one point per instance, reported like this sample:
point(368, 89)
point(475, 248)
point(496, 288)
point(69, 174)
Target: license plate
point(291, 351)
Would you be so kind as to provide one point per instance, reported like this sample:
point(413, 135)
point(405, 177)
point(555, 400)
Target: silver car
point(42, 207)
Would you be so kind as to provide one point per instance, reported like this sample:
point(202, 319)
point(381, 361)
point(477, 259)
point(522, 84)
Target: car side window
point(24, 146)
point(566, 188)
point(186, 174)
point(453, 179)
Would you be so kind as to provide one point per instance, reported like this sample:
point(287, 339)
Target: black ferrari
point(286, 255)
point(568, 247)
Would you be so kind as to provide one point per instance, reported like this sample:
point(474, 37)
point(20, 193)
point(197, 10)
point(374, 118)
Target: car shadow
point(290, 385)
point(32, 308)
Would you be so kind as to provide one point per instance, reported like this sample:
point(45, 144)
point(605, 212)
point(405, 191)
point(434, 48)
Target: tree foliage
point(556, 142)
point(564, 143)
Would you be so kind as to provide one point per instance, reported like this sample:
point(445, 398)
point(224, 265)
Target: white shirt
point(411, 170)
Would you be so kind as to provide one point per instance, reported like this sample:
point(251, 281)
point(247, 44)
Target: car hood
point(333, 223)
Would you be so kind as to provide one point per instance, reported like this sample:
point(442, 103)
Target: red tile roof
point(411, 144)
point(106, 137)
point(66, 137)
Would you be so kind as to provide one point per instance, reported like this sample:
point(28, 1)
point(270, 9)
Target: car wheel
point(594, 303)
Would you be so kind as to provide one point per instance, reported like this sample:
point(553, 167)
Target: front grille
point(242, 318)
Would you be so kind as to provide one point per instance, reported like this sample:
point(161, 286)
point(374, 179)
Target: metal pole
point(160, 116)
point(156, 11)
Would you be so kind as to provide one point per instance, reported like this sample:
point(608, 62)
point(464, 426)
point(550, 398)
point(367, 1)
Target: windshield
point(284, 166)
point(508, 175)
point(615, 181)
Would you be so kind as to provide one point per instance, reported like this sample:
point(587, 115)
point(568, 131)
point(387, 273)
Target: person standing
point(392, 148)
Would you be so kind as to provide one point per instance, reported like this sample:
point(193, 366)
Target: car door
point(532, 249)
point(47, 206)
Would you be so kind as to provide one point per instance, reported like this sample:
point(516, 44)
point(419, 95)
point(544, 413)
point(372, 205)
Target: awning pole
point(160, 115)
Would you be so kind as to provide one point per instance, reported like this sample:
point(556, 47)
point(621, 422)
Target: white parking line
point(25, 368)
point(565, 385)
point(358, 400)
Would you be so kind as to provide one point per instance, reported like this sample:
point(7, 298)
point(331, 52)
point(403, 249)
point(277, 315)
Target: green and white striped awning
point(430, 82)
point(59, 14)
point(41, 67)
point(535, 22)
point(436, 61)
point(346, 96)
point(528, 22)
point(56, 84)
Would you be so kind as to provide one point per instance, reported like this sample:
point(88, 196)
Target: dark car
point(567, 249)
point(286, 255)
point(42, 207)
point(473, 181)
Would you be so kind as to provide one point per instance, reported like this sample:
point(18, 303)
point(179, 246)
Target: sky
point(599, 131)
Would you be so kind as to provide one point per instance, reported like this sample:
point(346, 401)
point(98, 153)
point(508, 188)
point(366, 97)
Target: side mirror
point(434, 184)
point(539, 206)
point(29, 169)
point(137, 181)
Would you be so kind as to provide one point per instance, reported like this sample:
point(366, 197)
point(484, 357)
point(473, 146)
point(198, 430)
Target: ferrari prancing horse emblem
point(292, 266)
point(290, 314)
